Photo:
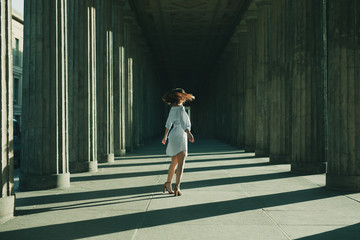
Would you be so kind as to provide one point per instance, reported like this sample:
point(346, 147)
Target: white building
point(17, 43)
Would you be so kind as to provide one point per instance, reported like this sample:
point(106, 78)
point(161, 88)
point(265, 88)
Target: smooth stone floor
point(227, 194)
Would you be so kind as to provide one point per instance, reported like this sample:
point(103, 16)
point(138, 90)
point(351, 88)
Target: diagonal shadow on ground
point(69, 197)
point(107, 225)
point(102, 202)
point(159, 172)
point(117, 164)
point(349, 232)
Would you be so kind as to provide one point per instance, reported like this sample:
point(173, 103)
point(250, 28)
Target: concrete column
point(280, 101)
point(229, 118)
point(7, 196)
point(129, 73)
point(137, 95)
point(236, 103)
point(147, 95)
point(262, 145)
point(45, 161)
point(250, 81)
point(119, 77)
point(82, 86)
point(142, 94)
point(240, 86)
point(343, 131)
point(218, 106)
point(207, 117)
point(104, 72)
point(223, 104)
point(308, 145)
point(228, 81)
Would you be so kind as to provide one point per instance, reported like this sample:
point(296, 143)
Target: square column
point(7, 195)
point(129, 82)
point(119, 77)
point(250, 81)
point(104, 81)
point(45, 145)
point(280, 86)
point(236, 92)
point(137, 83)
point(240, 86)
point(82, 86)
point(263, 76)
point(308, 140)
point(343, 152)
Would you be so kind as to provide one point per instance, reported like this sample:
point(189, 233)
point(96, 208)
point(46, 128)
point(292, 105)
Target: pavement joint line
point(276, 224)
point(351, 198)
point(308, 180)
point(237, 186)
point(141, 222)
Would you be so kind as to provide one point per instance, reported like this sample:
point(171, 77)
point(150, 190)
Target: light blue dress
point(177, 138)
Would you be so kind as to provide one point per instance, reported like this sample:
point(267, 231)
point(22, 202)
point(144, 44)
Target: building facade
point(17, 46)
point(17, 43)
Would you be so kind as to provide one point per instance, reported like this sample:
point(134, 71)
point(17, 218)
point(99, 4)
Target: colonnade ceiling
point(187, 36)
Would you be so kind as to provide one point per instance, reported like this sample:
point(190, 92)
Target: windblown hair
point(177, 95)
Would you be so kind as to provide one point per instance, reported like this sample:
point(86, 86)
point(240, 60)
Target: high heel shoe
point(177, 190)
point(168, 189)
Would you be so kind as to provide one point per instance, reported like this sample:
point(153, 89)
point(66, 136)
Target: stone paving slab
point(227, 194)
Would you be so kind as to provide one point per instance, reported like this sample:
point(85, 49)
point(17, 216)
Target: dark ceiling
point(187, 36)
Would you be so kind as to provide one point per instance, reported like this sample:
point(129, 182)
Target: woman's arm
point(165, 136)
point(190, 136)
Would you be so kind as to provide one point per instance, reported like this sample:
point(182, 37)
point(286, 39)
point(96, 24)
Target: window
point(16, 125)
point(16, 89)
point(17, 53)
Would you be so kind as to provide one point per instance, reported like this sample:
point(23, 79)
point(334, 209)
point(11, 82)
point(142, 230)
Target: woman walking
point(179, 134)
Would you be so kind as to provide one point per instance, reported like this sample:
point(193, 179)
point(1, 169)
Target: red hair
point(177, 95)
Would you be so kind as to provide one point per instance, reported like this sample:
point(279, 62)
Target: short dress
point(177, 137)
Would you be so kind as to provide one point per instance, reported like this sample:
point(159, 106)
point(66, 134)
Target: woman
point(177, 146)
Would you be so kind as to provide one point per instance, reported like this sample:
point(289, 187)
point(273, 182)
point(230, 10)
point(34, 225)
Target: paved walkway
point(227, 194)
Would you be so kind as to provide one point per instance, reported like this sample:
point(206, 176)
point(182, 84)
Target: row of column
point(87, 81)
point(88, 90)
point(287, 81)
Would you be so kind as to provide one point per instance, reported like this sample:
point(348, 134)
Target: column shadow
point(78, 196)
point(160, 172)
point(349, 232)
point(153, 218)
point(188, 161)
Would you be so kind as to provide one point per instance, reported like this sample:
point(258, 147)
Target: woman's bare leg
point(181, 163)
point(174, 162)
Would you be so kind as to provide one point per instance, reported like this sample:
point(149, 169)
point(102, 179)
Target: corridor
point(227, 194)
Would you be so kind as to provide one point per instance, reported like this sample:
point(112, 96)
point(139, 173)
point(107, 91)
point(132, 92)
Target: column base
point(345, 183)
point(249, 148)
point(7, 208)
point(129, 149)
point(308, 168)
point(232, 143)
point(280, 158)
point(42, 182)
point(78, 167)
point(120, 152)
point(261, 153)
point(108, 158)
point(240, 145)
